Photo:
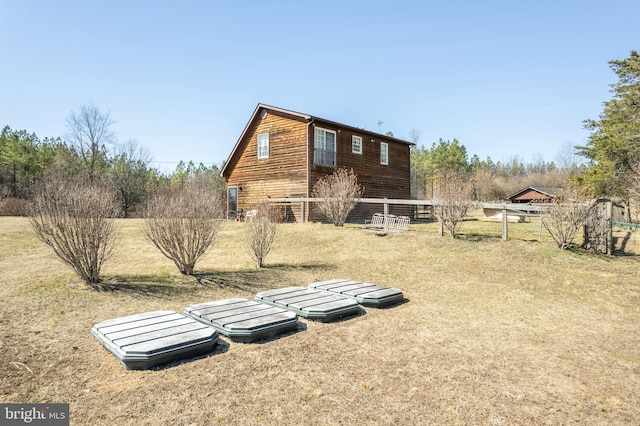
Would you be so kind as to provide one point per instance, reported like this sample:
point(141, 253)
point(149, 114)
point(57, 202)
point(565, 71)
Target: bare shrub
point(568, 213)
point(261, 228)
point(338, 193)
point(451, 199)
point(183, 222)
point(76, 219)
point(12, 206)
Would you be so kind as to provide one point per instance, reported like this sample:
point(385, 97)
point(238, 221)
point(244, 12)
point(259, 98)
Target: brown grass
point(492, 332)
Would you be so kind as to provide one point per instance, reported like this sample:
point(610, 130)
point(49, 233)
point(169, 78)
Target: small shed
point(534, 195)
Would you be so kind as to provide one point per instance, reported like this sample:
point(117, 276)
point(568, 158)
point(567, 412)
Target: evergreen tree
point(613, 149)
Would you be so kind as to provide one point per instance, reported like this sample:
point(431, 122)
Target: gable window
point(356, 144)
point(324, 144)
point(384, 153)
point(263, 145)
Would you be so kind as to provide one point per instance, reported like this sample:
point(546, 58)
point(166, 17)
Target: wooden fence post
point(609, 225)
point(505, 227)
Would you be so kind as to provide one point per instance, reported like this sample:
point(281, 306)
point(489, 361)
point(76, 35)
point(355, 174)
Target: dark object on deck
point(243, 320)
point(364, 293)
point(149, 339)
point(310, 304)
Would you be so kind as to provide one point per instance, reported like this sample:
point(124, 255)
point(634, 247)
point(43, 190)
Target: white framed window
point(356, 144)
point(263, 145)
point(384, 153)
point(324, 144)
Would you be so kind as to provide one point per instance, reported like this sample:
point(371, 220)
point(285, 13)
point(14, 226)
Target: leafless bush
point(568, 213)
point(76, 219)
point(12, 206)
point(183, 222)
point(338, 193)
point(452, 200)
point(261, 228)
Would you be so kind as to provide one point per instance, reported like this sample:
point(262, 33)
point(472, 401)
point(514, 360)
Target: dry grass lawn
point(491, 332)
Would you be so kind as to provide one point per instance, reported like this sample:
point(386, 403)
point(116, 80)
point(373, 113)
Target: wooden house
point(283, 153)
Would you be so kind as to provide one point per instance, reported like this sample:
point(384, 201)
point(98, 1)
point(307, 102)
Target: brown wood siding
point(378, 180)
point(530, 195)
point(283, 173)
point(289, 171)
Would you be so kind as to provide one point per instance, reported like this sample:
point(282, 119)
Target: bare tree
point(261, 228)
point(183, 223)
point(568, 213)
point(566, 158)
point(338, 193)
point(76, 218)
point(89, 133)
point(414, 136)
point(451, 199)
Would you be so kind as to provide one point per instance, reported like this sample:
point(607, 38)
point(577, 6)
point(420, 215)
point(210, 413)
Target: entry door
point(232, 202)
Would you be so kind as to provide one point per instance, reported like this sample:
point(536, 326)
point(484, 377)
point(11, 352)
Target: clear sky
point(182, 78)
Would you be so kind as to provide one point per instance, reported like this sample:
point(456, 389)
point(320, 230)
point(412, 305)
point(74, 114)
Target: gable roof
point(304, 117)
point(548, 191)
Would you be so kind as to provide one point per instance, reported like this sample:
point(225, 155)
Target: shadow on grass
point(147, 285)
point(617, 252)
point(476, 237)
point(255, 279)
point(620, 245)
point(300, 267)
point(166, 286)
point(583, 252)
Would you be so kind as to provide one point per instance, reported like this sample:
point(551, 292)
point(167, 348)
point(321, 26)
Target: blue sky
point(182, 78)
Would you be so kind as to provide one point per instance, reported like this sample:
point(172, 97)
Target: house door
point(232, 202)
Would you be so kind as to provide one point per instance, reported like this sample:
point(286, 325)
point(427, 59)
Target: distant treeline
point(25, 160)
point(491, 181)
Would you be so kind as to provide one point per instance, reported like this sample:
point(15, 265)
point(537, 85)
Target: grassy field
point(491, 332)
